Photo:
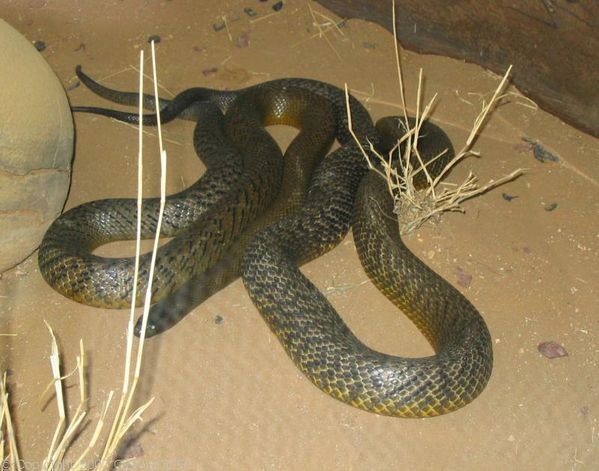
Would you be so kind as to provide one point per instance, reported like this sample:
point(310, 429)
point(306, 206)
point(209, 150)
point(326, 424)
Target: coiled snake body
point(340, 191)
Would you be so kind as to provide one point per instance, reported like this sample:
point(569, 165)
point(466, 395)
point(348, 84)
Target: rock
point(36, 147)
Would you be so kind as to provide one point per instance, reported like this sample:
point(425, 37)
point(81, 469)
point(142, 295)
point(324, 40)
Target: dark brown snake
point(238, 229)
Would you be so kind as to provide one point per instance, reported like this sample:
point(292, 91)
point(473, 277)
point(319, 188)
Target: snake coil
point(216, 239)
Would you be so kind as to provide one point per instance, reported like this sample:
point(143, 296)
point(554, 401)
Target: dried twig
point(124, 420)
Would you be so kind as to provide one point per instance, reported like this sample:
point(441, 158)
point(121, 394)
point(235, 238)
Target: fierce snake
point(205, 252)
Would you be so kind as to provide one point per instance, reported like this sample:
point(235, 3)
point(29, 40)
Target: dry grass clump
point(414, 207)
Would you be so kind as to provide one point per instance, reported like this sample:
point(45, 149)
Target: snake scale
point(326, 197)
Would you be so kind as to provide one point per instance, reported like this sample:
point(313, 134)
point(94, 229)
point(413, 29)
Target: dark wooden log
point(552, 44)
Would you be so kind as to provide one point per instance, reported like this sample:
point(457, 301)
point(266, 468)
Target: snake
point(342, 192)
point(202, 231)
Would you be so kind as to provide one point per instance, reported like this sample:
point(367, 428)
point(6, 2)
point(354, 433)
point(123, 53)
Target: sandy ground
point(226, 395)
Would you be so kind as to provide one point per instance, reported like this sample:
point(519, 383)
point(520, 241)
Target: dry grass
point(8, 439)
point(414, 207)
point(103, 445)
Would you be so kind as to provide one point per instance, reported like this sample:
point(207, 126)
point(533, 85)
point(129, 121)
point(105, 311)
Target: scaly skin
point(340, 191)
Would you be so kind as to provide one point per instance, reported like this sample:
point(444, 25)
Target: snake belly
point(343, 191)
